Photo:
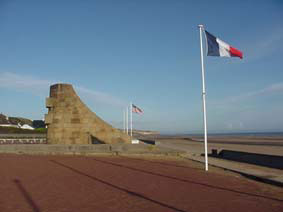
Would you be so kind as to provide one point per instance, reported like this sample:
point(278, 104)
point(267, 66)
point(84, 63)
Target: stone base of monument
point(114, 149)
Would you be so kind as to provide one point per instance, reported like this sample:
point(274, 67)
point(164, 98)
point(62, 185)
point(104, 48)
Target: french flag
point(217, 47)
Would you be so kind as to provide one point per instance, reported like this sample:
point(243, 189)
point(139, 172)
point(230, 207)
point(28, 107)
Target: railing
point(22, 136)
point(23, 139)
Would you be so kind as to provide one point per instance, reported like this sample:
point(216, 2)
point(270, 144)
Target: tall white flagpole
point(203, 97)
point(127, 120)
point(131, 108)
point(124, 121)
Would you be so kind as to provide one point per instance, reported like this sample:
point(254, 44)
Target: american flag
point(135, 109)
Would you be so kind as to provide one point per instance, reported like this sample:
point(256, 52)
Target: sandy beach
point(271, 145)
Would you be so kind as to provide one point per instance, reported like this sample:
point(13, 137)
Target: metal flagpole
point(203, 97)
point(127, 120)
point(124, 121)
point(131, 108)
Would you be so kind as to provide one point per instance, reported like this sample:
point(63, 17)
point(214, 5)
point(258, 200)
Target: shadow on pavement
point(187, 181)
point(117, 187)
point(26, 195)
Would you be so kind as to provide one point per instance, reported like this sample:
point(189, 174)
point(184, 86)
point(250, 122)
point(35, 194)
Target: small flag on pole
point(217, 47)
point(135, 109)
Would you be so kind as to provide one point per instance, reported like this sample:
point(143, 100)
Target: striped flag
point(217, 47)
point(135, 109)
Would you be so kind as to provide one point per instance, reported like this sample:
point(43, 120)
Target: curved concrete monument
point(70, 121)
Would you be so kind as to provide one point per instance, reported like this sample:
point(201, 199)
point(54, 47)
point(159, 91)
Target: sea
point(244, 134)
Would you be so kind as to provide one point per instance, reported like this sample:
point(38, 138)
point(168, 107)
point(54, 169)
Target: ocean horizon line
point(251, 133)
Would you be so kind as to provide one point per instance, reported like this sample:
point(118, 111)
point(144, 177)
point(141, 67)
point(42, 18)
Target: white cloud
point(275, 88)
point(264, 45)
point(249, 111)
point(100, 97)
point(40, 87)
point(271, 89)
point(24, 83)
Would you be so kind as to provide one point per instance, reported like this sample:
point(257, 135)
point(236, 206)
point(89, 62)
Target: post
point(124, 121)
point(127, 120)
point(203, 98)
point(131, 108)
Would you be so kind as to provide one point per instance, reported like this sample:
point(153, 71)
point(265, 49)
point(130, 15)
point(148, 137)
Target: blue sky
point(146, 52)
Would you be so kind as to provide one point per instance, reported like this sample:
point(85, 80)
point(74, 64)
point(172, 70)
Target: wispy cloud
point(275, 88)
point(99, 97)
point(25, 83)
point(40, 87)
point(264, 45)
point(271, 89)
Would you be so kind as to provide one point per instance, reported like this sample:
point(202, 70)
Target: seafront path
point(127, 183)
point(269, 146)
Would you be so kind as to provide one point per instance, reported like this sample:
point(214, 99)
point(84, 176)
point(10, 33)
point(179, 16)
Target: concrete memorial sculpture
point(70, 121)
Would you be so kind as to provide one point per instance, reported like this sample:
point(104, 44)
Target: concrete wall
point(271, 161)
point(86, 149)
point(70, 121)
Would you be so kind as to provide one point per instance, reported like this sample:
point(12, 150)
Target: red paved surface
point(68, 183)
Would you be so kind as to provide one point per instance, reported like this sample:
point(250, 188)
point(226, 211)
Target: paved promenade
point(265, 174)
point(122, 183)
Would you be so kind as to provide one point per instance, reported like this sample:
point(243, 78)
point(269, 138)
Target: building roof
point(5, 120)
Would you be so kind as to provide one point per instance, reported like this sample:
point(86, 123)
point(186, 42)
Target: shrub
point(41, 130)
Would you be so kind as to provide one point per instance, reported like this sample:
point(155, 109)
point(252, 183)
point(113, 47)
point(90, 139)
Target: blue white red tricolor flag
point(217, 47)
point(135, 109)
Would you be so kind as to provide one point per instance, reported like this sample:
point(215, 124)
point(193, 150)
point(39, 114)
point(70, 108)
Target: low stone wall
point(87, 149)
point(272, 161)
